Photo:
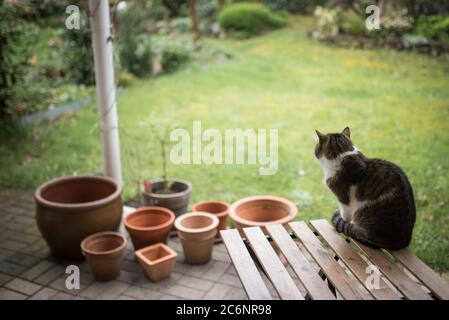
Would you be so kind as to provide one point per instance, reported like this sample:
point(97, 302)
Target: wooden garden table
point(337, 267)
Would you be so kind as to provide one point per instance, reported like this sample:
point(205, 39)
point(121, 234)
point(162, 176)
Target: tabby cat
point(377, 207)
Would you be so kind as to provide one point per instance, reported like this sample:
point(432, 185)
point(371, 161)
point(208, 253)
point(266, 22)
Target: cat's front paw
point(338, 222)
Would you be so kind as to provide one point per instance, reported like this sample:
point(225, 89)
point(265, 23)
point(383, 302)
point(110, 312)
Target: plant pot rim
point(169, 195)
point(83, 205)
point(293, 211)
point(108, 252)
point(140, 254)
point(218, 214)
point(171, 218)
point(181, 218)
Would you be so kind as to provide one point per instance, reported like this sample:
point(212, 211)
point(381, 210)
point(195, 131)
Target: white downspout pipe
point(105, 87)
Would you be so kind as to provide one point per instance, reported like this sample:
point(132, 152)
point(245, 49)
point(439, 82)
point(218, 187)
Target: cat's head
point(333, 144)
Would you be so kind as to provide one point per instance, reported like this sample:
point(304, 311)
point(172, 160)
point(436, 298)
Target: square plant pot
point(157, 261)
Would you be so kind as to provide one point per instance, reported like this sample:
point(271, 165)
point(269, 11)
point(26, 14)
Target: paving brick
point(128, 277)
point(16, 226)
point(33, 229)
point(23, 259)
point(123, 297)
point(60, 285)
point(185, 292)
point(12, 245)
point(4, 278)
point(198, 270)
point(230, 280)
point(217, 292)
point(195, 283)
point(23, 286)
point(104, 290)
point(44, 294)
point(144, 282)
point(216, 271)
point(62, 296)
point(11, 268)
point(142, 294)
point(6, 294)
point(235, 294)
point(24, 219)
point(50, 275)
point(169, 297)
point(24, 237)
point(37, 270)
point(221, 256)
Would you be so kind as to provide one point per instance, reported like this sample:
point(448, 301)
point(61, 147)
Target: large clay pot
point(149, 225)
point(197, 232)
point(259, 211)
point(68, 209)
point(177, 200)
point(104, 253)
point(219, 209)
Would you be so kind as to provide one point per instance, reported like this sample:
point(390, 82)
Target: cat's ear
point(347, 132)
point(321, 137)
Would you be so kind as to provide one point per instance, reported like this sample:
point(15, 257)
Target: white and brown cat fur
point(376, 199)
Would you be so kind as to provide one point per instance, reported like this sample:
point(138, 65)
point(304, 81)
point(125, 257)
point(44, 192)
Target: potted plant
point(197, 231)
point(172, 194)
point(149, 225)
point(157, 261)
point(218, 208)
point(68, 209)
point(104, 253)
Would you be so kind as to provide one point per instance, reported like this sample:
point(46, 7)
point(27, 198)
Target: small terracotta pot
point(68, 209)
point(149, 225)
point(157, 261)
point(259, 211)
point(104, 253)
point(177, 201)
point(219, 209)
point(197, 231)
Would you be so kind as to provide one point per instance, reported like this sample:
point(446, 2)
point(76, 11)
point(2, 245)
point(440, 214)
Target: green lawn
point(396, 103)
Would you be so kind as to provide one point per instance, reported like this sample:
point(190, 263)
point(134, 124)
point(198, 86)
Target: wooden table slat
point(308, 276)
point(281, 280)
point(250, 277)
point(409, 288)
point(436, 284)
point(351, 259)
point(349, 288)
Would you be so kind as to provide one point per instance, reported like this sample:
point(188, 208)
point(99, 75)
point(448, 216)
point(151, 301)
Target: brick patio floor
point(27, 271)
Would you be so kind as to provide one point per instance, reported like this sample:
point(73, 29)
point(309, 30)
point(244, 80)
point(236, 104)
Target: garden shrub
point(78, 53)
point(173, 51)
point(294, 6)
point(17, 38)
point(327, 23)
point(434, 27)
point(353, 25)
point(134, 48)
point(249, 18)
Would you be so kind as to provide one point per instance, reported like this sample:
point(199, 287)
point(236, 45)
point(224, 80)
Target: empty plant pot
point(176, 199)
point(197, 232)
point(259, 211)
point(104, 253)
point(149, 225)
point(219, 209)
point(68, 209)
point(157, 261)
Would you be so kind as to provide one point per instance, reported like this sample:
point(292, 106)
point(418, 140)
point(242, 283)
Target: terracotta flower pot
point(197, 232)
point(219, 209)
point(68, 209)
point(261, 211)
point(157, 261)
point(177, 201)
point(104, 253)
point(149, 225)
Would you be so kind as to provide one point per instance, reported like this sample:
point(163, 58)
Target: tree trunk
point(195, 30)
